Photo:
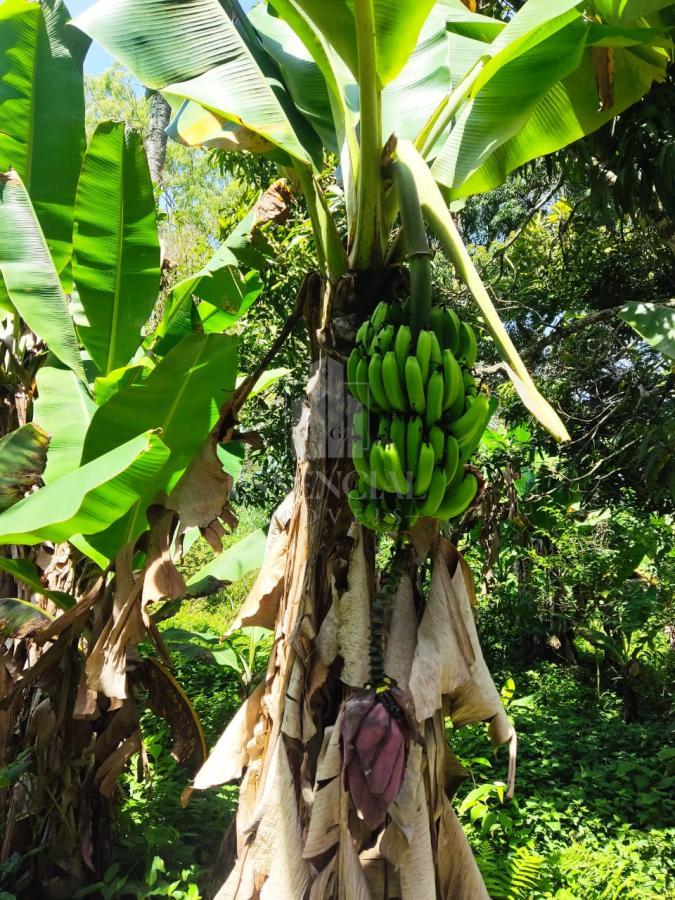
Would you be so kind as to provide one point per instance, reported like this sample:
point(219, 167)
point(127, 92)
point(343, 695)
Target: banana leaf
point(193, 51)
point(64, 409)
point(88, 500)
point(42, 113)
point(116, 263)
point(23, 456)
point(30, 278)
point(20, 619)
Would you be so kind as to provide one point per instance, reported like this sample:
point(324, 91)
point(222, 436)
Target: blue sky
point(97, 59)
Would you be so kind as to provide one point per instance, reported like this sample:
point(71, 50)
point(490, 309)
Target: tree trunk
point(155, 144)
point(296, 833)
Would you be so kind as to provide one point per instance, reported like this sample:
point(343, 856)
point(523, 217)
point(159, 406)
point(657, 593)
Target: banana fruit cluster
point(421, 418)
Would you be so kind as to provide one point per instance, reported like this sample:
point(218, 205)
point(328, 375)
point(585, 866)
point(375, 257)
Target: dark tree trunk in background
point(155, 145)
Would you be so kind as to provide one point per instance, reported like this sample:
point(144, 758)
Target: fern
point(515, 877)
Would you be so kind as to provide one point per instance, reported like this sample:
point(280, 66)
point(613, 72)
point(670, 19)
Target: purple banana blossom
point(376, 732)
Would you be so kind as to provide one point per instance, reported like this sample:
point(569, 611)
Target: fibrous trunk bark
point(296, 833)
point(155, 144)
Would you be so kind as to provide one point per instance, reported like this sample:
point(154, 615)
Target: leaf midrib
point(118, 270)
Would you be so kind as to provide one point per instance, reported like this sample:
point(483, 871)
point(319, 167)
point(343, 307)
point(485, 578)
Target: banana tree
point(118, 439)
point(346, 769)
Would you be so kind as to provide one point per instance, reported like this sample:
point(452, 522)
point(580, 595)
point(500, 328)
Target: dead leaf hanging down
point(168, 700)
point(74, 615)
point(323, 884)
point(262, 603)
point(229, 757)
point(274, 205)
point(324, 823)
point(459, 876)
point(416, 868)
point(108, 772)
point(402, 636)
point(275, 854)
point(201, 497)
point(448, 660)
point(107, 662)
point(353, 881)
point(162, 580)
point(345, 631)
point(603, 67)
point(86, 706)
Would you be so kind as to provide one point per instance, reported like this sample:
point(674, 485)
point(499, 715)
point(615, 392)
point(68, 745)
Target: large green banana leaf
point(29, 274)
point(537, 93)
point(88, 500)
point(116, 264)
point(64, 409)
point(396, 29)
point(23, 455)
point(181, 398)
point(192, 50)
point(232, 564)
point(25, 571)
point(42, 113)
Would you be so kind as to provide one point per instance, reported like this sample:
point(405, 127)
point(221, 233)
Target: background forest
point(573, 546)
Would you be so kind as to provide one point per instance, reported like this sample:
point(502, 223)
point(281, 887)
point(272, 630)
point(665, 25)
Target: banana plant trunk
point(297, 834)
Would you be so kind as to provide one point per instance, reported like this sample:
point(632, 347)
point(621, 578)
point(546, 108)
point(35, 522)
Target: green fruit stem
point(417, 246)
point(389, 580)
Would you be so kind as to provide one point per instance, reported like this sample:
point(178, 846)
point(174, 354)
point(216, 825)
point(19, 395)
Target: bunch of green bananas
point(421, 418)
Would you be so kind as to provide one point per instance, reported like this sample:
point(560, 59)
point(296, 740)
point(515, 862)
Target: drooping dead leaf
point(322, 886)
point(603, 67)
point(353, 881)
point(276, 851)
point(402, 636)
point(108, 772)
point(201, 497)
point(107, 662)
point(324, 823)
point(416, 868)
point(227, 760)
point(86, 706)
point(291, 724)
point(346, 629)
point(167, 699)
point(274, 205)
point(448, 660)
point(458, 873)
point(262, 603)
point(162, 580)
point(74, 615)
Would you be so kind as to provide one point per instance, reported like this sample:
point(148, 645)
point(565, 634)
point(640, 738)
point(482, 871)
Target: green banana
point(453, 328)
point(352, 366)
point(472, 423)
point(453, 386)
point(435, 494)
point(413, 442)
point(437, 441)
point(457, 499)
point(394, 470)
point(423, 353)
point(438, 324)
point(376, 459)
point(362, 334)
point(452, 463)
point(387, 335)
point(468, 348)
point(375, 383)
point(469, 383)
point(397, 432)
point(380, 315)
point(361, 425)
point(468, 448)
point(434, 399)
point(371, 516)
point(425, 469)
point(383, 429)
point(436, 357)
point(392, 383)
point(414, 384)
point(402, 347)
point(357, 505)
point(361, 383)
